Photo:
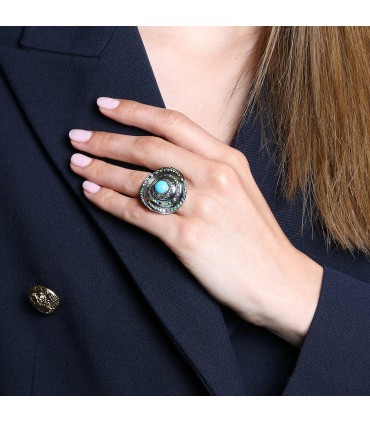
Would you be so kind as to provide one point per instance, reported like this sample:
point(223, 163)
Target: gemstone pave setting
point(164, 190)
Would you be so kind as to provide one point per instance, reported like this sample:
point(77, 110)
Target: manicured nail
point(107, 103)
point(91, 187)
point(80, 160)
point(80, 135)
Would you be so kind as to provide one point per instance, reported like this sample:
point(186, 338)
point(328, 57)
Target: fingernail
point(80, 135)
point(107, 103)
point(91, 187)
point(80, 160)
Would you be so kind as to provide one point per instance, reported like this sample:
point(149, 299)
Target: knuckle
point(132, 110)
point(223, 176)
point(103, 139)
point(173, 118)
point(140, 177)
point(136, 179)
point(132, 212)
point(240, 159)
point(149, 144)
point(108, 199)
point(98, 170)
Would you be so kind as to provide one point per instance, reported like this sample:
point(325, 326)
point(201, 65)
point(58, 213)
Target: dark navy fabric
point(133, 320)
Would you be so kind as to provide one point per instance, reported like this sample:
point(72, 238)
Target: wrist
point(289, 307)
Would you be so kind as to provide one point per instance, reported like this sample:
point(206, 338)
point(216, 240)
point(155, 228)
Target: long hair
point(318, 101)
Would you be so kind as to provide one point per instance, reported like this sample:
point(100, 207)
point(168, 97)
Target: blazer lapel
point(56, 75)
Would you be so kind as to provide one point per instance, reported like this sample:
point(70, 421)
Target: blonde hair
point(318, 102)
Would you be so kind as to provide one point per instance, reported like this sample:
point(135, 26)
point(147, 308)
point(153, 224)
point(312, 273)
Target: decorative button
point(43, 299)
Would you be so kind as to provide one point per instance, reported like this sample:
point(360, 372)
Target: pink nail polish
point(107, 103)
point(80, 135)
point(91, 187)
point(80, 160)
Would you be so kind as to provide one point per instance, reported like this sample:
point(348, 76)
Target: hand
point(224, 233)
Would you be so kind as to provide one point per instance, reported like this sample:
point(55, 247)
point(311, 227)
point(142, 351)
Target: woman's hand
point(224, 233)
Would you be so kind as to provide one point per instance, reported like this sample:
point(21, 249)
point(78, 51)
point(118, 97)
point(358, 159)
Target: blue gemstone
point(161, 187)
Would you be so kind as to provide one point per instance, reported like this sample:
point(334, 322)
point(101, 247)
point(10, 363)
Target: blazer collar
point(56, 74)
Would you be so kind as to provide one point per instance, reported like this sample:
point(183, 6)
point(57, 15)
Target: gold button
point(43, 299)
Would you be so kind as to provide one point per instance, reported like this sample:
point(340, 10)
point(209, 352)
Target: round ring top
point(164, 190)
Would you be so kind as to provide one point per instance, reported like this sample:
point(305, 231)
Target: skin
point(197, 68)
point(239, 254)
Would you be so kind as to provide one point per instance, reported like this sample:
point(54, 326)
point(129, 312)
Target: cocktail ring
point(164, 190)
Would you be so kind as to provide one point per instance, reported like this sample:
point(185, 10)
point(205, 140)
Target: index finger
point(169, 124)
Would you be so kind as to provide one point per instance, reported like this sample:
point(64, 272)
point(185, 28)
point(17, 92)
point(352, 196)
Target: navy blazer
point(132, 319)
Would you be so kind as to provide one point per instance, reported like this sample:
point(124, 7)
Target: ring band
point(164, 190)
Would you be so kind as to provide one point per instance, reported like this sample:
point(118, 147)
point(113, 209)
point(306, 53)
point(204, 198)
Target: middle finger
point(148, 151)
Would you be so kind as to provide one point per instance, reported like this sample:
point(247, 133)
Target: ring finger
point(119, 179)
